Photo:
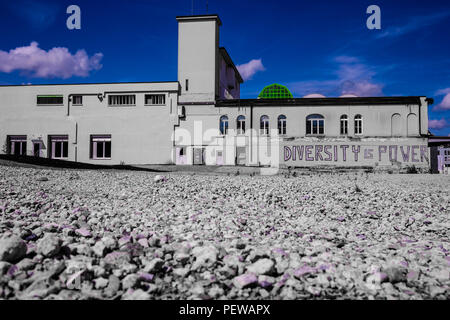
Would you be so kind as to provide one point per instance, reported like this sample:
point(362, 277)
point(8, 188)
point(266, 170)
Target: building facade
point(200, 119)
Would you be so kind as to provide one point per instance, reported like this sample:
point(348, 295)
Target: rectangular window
point(77, 100)
point(155, 99)
point(100, 147)
point(315, 127)
point(122, 100)
point(49, 100)
point(187, 85)
point(59, 147)
point(17, 145)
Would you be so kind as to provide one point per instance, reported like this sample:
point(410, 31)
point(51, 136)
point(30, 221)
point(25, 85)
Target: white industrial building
point(200, 119)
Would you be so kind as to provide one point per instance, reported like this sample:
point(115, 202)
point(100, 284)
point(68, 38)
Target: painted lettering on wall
point(356, 153)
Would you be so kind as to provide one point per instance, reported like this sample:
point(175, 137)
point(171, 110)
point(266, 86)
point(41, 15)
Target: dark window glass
point(58, 149)
point(65, 146)
point(99, 149)
point(108, 149)
point(77, 100)
point(17, 148)
point(47, 100)
point(223, 125)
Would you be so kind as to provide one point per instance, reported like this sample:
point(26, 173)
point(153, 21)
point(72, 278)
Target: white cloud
point(247, 70)
point(55, 63)
point(437, 124)
point(441, 92)
point(414, 24)
point(444, 105)
point(352, 78)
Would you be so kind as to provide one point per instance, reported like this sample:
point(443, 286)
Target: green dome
point(275, 91)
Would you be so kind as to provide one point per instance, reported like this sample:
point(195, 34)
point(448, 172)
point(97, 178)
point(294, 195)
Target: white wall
point(198, 58)
point(140, 134)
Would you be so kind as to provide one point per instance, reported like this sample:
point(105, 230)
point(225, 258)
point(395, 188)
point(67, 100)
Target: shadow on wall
point(45, 162)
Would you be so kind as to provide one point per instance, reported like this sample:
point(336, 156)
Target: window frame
point(122, 100)
point(53, 140)
point(264, 125)
point(282, 125)
point(223, 119)
point(59, 96)
point(240, 125)
point(358, 118)
point(74, 98)
point(343, 120)
point(157, 95)
point(12, 140)
point(95, 139)
point(312, 121)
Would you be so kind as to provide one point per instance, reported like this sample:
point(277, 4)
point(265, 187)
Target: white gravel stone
point(262, 266)
point(12, 249)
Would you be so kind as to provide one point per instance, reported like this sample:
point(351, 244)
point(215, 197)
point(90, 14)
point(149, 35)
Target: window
point(358, 124)
point(59, 147)
point(155, 99)
point(100, 147)
point(240, 125)
point(77, 100)
point(17, 145)
point(49, 100)
point(223, 125)
point(187, 85)
point(264, 125)
point(282, 124)
point(315, 124)
point(344, 124)
point(122, 100)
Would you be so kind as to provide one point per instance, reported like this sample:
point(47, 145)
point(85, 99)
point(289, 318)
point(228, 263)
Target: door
point(199, 156)
point(240, 156)
point(219, 158)
point(37, 149)
point(180, 155)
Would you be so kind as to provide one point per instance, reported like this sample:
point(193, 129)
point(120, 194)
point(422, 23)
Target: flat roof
point(81, 84)
point(321, 101)
point(200, 17)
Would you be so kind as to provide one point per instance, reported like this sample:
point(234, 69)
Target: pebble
point(262, 266)
point(49, 245)
point(245, 280)
point(12, 249)
point(272, 237)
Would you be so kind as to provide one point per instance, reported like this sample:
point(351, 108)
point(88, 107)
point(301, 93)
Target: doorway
point(241, 156)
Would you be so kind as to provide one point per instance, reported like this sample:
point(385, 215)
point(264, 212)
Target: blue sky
point(309, 46)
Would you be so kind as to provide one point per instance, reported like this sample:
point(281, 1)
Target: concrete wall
point(140, 134)
point(393, 126)
point(198, 52)
point(229, 87)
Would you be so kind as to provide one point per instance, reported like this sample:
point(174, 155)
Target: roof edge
point(322, 101)
point(82, 84)
point(200, 17)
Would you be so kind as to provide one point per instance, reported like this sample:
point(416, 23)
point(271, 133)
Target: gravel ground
point(82, 234)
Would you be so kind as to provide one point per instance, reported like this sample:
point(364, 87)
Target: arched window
point(315, 124)
point(281, 124)
point(344, 124)
point(223, 125)
point(264, 125)
point(358, 124)
point(396, 125)
point(240, 125)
